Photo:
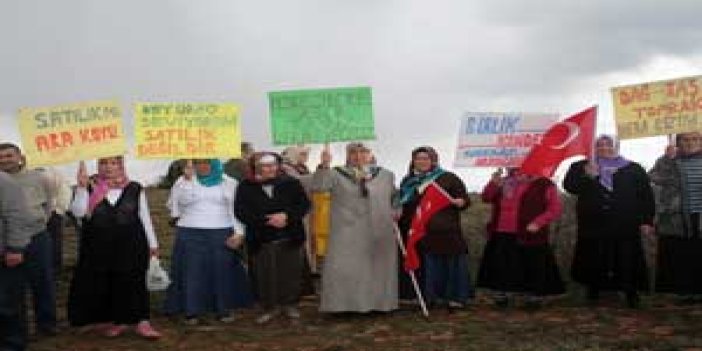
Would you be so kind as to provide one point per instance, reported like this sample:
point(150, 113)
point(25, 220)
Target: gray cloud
point(427, 61)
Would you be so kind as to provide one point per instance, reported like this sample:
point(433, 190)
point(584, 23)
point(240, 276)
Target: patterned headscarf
point(102, 183)
point(415, 179)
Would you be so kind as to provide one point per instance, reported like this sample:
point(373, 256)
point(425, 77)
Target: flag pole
point(594, 137)
point(413, 277)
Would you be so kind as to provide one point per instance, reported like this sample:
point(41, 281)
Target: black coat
point(608, 253)
point(623, 210)
point(252, 205)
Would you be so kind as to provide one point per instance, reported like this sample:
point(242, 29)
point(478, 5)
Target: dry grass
point(566, 324)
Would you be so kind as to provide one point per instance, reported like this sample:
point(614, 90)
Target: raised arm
point(145, 217)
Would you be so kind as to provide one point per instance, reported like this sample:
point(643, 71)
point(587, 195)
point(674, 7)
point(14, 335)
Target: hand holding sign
point(326, 157)
point(497, 177)
point(188, 170)
point(82, 177)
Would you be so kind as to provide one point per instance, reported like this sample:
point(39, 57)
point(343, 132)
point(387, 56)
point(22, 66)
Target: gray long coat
point(360, 269)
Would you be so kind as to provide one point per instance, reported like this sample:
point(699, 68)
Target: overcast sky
point(427, 61)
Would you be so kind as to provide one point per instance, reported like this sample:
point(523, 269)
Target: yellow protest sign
point(187, 130)
point(67, 133)
point(658, 108)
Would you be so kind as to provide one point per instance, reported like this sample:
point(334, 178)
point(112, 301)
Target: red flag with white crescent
point(433, 200)
point(573, 136)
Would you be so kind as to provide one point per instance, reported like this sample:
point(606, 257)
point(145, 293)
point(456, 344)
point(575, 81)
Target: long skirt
point(509, 266)
point(610, 264)
point(446, 278)
point(279, 273)
point(207, 276)
point(105, 291)
point(679, 269)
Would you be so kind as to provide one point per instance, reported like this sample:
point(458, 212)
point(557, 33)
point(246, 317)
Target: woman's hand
point(153, 252)
point(647, 229)
point(671, 151)
point(188, 170)
point(277, 220)
point(497, 177)
point(591, 169)
point(533, 228)
point(326, 157)
point(459, 202)
point(82, 177)
point(235, 241)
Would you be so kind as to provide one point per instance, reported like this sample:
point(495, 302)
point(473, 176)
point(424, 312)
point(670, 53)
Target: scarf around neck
point(606, 167)
point(412, 182)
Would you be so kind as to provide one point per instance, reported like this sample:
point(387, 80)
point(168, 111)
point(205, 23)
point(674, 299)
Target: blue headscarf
point(216, 176)
point(414, 179)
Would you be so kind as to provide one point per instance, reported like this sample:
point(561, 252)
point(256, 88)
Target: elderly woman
point(294, 164)
point(207, 274)
point(518, 257)
point(445, 276)
point(360, 269)
point(678, 178)
point(272, 206)
point(108, 290)
point(615, 206)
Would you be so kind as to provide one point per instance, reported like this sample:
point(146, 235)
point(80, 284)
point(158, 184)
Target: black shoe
point(47, 331)
point(501, 301)
point(633, 300)
point(532, 304)
point(593, 294)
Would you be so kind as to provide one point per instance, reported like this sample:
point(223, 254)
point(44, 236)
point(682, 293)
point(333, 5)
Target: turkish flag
point(571, 137)
point(433, 200)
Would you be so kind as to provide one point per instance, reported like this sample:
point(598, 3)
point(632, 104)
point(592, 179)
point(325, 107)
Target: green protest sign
point(320, 116)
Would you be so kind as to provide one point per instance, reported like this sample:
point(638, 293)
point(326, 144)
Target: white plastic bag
point(156, 277)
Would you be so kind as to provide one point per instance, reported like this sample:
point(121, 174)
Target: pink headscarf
point(103, 184)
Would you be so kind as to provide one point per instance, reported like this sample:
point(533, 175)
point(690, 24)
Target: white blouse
point(201, 207)
point(79, 208)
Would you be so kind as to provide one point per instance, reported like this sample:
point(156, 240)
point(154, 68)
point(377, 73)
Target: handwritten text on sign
point(187, 130)
point(63, 134)
point(658, 108)
point(499, 139)
point(319, 116)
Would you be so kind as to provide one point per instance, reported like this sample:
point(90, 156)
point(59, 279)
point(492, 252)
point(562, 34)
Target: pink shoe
point(146, 330)
point(115, 331)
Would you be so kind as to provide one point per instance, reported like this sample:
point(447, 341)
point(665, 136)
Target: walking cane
point(420, 298)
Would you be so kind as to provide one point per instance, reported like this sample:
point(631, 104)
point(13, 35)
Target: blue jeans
point(42, 282)
point(446, 278)
point(13, 332)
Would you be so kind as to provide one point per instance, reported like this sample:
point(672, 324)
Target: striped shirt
point(692, 179)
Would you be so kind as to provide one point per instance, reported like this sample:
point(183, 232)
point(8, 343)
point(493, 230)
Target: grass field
point(567, 323)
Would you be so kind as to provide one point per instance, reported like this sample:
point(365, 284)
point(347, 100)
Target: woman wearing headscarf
point(615, 206)
point(518, 257)
point(207, 273)
point(360, 269)
point(108, 289)
point(294, 164)
point(272, 206)
point(444, 272)
point(678, 178)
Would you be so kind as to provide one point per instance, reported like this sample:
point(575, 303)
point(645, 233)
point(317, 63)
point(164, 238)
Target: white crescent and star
point(573, 133)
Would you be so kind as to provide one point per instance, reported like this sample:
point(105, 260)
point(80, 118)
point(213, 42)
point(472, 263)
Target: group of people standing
point(242, 241)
